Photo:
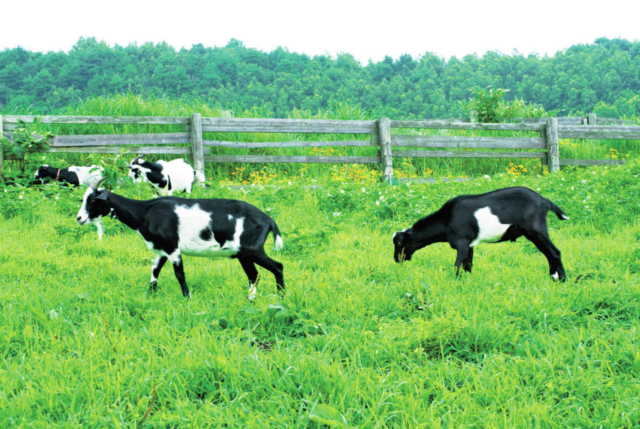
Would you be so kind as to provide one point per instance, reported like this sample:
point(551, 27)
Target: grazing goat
point(166, 177)
point(172, 227)
point(468, 220)
point(86, 176)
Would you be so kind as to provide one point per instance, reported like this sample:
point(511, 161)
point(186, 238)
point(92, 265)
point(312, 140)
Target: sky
point(368, 30)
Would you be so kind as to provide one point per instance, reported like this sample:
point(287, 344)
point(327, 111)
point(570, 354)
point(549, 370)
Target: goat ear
point(101, 196)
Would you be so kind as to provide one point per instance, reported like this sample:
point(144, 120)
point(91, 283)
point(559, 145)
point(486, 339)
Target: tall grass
point(357, 341)
point(134, 105)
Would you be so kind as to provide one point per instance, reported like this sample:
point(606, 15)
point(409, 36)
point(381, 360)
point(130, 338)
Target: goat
point(86, 176)
point(166, 177)
point(468, 220)
point(172, 227)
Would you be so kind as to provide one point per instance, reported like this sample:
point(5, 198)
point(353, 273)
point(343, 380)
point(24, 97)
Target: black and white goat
point(468, 220)
point(172, 227)
point(166, 176)
point(86, 176)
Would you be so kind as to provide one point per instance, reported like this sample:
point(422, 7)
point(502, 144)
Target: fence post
point(197, 150)
point(592, 119)
point(384, 129)
point(553, 152)
point(1, 152)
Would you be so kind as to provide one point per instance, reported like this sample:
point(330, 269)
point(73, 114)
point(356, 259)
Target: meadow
point(356, 341)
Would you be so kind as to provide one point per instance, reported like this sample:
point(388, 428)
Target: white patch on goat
point(142, 174)
point(230, 217)
point(181, 174)
point(253, 289)
point(153, 269)
point(564, 217)
point(278, 244)
point(177, 171)
point(174, 258)
point(191, 222)
point(490, 229)
point(83, 214)
point(99, 226)
point(555, 275)
point(86, 177)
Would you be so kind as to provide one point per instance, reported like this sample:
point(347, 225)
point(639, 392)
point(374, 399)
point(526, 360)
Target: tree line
point(603, 77)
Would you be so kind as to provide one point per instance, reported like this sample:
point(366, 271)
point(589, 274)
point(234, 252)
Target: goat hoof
point(153, 287)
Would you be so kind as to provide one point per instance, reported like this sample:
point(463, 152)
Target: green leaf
point(37, 314)
point(327, 415)
point(251, 310)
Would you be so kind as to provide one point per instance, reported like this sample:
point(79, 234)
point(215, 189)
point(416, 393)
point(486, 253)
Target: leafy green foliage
point(277, 83)
point(488, 106)
point(485, 104)
point(25, 139)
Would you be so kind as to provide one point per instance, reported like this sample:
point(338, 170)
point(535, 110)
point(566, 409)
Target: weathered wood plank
point(600, 135)
point(613, 121)
point(468, 154)
point(600, 128)
point(553, 150)
point(563, 120)
point(466, 126)
point(245, 145)
point(143, 120)
point(469, 142)
point(120, 139)
point(258, 125)
point(116, 149)
point(294, 159)
point(384, 131)
point(375, 137)
point(592, 162)
point(197, 150)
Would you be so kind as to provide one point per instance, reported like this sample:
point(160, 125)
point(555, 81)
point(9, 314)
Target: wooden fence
point(375, 133)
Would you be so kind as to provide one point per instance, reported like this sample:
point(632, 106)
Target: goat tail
point(199, 176)
point(277, 238)
point(557, 210)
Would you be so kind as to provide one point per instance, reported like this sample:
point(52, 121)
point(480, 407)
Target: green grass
point(356, 341)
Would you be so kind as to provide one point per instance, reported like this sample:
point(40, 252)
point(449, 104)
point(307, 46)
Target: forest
point(601, 77)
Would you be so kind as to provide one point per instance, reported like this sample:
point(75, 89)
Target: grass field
point(357, 341)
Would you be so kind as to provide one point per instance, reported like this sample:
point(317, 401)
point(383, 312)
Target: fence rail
point(380, 134)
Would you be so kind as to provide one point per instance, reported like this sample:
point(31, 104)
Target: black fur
point(154, 176)
point(156, 220)
point(65, 175)
point(456, 224)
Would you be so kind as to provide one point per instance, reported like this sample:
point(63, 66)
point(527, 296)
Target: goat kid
point(468, 220)
point(86, 176)
point(166, 177)
point(172, 227)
